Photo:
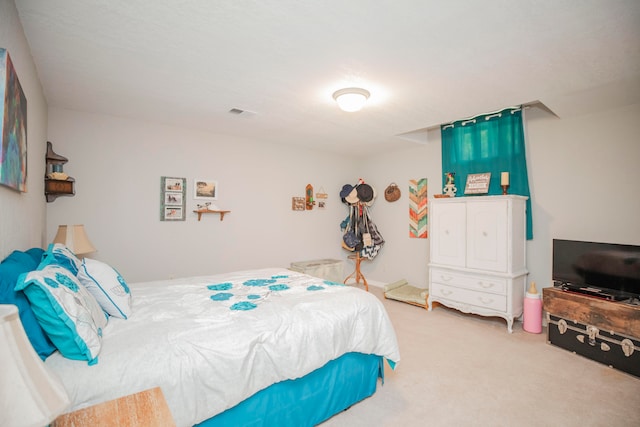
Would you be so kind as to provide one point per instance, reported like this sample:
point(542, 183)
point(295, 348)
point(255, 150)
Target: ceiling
point(188, 62)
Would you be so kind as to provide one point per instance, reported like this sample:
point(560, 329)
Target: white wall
point(22, 215)
point(583, 174)
point(118, 163)
point(582, 171)
point(402, 257)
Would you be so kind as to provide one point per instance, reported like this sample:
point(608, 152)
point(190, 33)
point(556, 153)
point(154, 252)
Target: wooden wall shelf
point(56, 183)
point(53, 188)
point(208, 211)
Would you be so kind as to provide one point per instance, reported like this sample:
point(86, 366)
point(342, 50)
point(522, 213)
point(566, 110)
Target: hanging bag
point(376, 237)
point(366, 236)
point(369, 249)
point(350, 239)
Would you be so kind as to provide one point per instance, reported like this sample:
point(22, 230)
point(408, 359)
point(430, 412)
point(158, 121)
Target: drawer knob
point(485, 300)
point(445, 278)
point(486, 285)
point(446, 292)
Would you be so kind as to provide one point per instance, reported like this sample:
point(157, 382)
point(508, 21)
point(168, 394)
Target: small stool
point(357, 273)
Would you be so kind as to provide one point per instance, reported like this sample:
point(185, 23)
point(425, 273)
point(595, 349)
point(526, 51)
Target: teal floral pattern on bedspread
point(249, 294)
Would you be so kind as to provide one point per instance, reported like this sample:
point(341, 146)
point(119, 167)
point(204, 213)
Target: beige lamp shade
point(75, 238)
point(30, 395)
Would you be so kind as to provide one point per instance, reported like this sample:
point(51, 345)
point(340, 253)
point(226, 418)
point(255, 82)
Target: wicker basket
point(392, 193)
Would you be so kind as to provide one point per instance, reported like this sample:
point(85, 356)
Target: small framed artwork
point(173, 213)
point(477, 183)
point(173, 184)
point(172, 198)
point(205, 189)
point(298, 203)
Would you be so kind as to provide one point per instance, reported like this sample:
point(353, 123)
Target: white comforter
point(211, 342)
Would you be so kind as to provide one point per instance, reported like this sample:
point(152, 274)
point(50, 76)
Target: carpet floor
point(458, 369)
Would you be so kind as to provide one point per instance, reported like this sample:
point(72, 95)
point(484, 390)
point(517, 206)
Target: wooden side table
point(357, 274)
point(144, 409)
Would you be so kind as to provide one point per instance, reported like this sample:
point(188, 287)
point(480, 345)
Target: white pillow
point(107, 286)
point(68, 313)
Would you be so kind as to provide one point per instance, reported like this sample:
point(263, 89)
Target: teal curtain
point(489, 143)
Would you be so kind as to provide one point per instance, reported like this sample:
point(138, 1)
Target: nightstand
point(147, 408)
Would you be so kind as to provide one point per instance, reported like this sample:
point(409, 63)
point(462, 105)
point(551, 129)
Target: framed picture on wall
point(173, 213)
point(205, 189)
point(173, 184)
point(298, 203)
point(13, 127)
point(172, 198)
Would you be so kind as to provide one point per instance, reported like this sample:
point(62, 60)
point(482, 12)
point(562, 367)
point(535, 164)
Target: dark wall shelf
point(56, 182)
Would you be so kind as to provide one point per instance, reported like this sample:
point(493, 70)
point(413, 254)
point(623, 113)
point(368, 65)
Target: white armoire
point(478, 255)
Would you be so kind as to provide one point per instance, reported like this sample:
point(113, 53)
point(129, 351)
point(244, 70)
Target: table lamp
point(30, 395)
point(75, 238)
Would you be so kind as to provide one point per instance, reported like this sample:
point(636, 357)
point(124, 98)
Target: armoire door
point(448, 237)
point(487, 234)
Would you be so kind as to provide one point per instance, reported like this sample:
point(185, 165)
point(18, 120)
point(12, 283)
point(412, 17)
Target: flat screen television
point(606, 270)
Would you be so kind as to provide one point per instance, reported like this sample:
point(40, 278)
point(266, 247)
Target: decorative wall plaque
point(477, 183)
point(298, 203)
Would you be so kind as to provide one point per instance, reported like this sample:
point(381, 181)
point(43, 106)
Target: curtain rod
point(491, 114)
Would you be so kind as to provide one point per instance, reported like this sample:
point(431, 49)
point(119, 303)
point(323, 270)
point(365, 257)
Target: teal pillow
point(10, 269)
point(59, 254)
point(68, 313)
point(36, 254)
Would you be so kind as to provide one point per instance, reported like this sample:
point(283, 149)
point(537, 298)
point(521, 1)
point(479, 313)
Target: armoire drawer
point(467, 296)
point(494, 285)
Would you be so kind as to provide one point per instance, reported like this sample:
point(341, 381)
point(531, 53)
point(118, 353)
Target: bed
point(256, 347)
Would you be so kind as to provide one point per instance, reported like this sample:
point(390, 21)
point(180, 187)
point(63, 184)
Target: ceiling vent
point(239, 112)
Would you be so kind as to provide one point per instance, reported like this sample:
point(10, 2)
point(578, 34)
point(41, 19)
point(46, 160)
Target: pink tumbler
point(532, 310)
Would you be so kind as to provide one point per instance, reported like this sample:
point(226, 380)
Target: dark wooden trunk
point(605, 331)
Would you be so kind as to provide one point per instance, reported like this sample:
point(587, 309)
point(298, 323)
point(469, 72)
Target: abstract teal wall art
point(13, 131)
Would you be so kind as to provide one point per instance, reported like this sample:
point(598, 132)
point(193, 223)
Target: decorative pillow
point(70, 316)
point(35, 254)
point(10, 269)
point(107, 286)
point(59, 254)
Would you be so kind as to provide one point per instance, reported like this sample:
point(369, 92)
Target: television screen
point(605, 266)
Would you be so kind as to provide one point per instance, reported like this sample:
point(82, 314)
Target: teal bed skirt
point(309, 400)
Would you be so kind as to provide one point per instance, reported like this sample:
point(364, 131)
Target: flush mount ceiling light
point(351, 99)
